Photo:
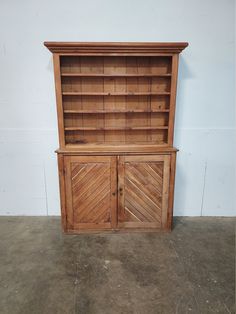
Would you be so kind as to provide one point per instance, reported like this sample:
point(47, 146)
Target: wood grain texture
point(90, 192)
point(143, 187)
point(111, 149)
point(60, 161)
point(171, 191)
point(119, 99)
point(116, 109)
point(60, 115)
point(175, 62)
point(115, 47)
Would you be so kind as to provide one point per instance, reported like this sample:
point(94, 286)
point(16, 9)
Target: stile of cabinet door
point(91, 192)
point(143, 187)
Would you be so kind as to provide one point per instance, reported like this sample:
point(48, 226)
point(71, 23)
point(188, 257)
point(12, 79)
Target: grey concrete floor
point(190, 270)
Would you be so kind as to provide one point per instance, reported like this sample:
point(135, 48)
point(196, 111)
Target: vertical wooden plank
point(91, 65)
point(174, 75)
point(113, 179)
point(165, 191)
point(60, 114)
point(60, 163)
point(68, 189)
point(114, 65)
point(72, 84)
point(171, 191)
point(121, 189)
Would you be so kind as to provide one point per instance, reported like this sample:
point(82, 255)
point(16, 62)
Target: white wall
point(205, 118)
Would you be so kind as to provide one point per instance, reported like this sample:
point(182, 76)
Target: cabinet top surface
point(119, 47)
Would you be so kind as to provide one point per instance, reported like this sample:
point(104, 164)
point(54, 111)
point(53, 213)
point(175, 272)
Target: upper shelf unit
point(116, 93)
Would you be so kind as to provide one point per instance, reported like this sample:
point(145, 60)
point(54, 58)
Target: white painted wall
point(205, 118)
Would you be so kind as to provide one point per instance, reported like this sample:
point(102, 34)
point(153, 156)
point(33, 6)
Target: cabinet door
point(143, 187)
point(91, 192)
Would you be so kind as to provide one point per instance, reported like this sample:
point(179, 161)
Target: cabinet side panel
point(60, 162)
point(174, 76)
point(171, 190)
point(68, 189)
point(165, 192)
point(60, 115)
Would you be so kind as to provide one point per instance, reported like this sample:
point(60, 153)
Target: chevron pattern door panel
point(91, 192)
point(143, 184)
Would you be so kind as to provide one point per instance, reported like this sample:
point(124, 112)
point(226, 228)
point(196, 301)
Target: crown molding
point(127, 48)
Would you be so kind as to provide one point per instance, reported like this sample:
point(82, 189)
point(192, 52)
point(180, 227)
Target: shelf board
point(116, 129)
point(114, 148)
point(114, 75)
point(114, 94)
point(114, 111)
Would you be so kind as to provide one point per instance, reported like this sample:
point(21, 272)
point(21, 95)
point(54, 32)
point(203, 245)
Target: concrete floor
point(190, 270)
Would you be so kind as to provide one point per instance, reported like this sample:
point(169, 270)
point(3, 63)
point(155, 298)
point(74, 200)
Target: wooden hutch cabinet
point(116, 108)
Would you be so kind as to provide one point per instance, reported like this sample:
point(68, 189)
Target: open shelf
point(114, 111)
point(114, 75)
point(113, 94)
point(112, 99)
point(116, 129)
point(121, 65)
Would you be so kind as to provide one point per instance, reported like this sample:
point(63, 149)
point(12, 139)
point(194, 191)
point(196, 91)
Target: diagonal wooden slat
point(143, 191)
point(153, 172)
point(85, 177)
point(91, 192)
point(85, 207)
point(140, 191)
point(157, 167)
point(137, 210)
point(97, 211)
point(84, 191)
point(130, 215)
point(81, 187)
point(76, 169)
point(152, 176)
point(147, 187)
point(85, 171)
point(103, 212)
point(148, 213)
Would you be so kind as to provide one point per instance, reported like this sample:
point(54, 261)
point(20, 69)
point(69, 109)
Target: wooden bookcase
point(116, 107)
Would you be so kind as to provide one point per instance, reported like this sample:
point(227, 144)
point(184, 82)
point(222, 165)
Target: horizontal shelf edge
point(116, 149)
point(113, 94)
point(115, 129)
point(115, 111)
point(112, 75)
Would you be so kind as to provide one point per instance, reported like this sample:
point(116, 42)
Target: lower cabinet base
point(132, 193)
